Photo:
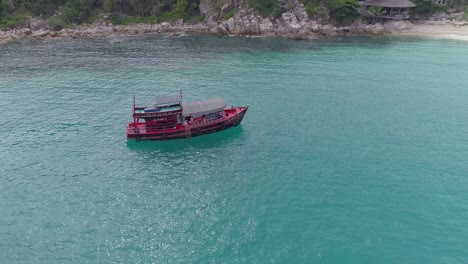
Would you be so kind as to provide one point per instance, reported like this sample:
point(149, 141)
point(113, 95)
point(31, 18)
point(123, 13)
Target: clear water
point(353, 151)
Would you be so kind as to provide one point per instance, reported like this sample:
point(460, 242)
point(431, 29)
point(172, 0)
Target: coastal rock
point(266, 26)
point(328, 30)
point(233, 26)
point(40, 33)
point(13, 35)
point(27, 31)
point(397, 26)
point(4, 37)
point(165, 25)
point(313, 25)
point(210, 22)
point(37, 24)
point(75, 34)
point(374, 29)
point(251, 25)
point(219, 29)
point(279, 27)
point(230, 24)
point(289, 20)
point(300, 13)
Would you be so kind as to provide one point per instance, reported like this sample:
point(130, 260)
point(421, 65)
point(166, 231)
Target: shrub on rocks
point(55, 23)
point(345, 11)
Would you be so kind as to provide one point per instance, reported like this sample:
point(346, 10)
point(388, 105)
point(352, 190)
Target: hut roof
point(389, 3)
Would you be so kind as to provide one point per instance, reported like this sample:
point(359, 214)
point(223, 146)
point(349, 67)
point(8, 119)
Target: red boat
point(169, 118)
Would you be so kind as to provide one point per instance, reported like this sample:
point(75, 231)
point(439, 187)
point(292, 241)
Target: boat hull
point(232, 117)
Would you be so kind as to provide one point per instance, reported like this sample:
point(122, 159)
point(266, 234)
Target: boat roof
point(170, 99)
point(204, 107)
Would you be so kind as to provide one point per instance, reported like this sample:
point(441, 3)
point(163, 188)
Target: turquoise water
point(353, 151)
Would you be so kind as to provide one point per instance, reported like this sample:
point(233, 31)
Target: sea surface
point(353, 151)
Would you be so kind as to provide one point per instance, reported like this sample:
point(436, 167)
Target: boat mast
point(133, 110)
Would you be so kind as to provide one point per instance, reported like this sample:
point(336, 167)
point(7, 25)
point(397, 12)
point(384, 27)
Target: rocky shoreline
point(232, 17)
point(289, 25)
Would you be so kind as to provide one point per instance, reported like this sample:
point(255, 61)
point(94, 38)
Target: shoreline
point(287, 29)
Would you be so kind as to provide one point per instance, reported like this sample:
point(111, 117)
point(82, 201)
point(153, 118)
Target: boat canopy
point(199, 108)
point(168, 100)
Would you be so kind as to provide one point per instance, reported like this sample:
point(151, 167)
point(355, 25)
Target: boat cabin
point(168, 112)
point(206, 110)
point(165, 113)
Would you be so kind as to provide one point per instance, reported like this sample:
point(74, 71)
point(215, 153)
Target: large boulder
point(328, 30)
point(27, 31)
point(231, 25)
point(219, 29)
point(234, 25)
point(251, 25)
point(374, 29)
point(37, 24)
point(266, 26)
point(289, 20)
point(40, 34)
point(300, 13)
point(210, 22)
point(397, 26)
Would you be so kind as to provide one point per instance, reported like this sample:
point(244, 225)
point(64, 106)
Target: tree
point(142, 7)
point(77, 11)
point(345, 11)
point(108, 5)
point(424, 7)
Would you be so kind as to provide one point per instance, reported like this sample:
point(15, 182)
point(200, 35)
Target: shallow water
point(353, 151)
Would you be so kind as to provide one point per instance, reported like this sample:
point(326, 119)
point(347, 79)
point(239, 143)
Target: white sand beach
point(438, 29)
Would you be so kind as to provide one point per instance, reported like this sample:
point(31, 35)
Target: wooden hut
point(382, 10)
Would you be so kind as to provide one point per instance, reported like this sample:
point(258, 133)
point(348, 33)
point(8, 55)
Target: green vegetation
point(60, 13)
point(424, 7)
point(130, 20)
point(230, 14)
point(344, 11)
point(267, 8)
point(13, 21)
point(218, 5)
point(311, 9)
point(55, 23)
point(315, 10)
point(76, 11)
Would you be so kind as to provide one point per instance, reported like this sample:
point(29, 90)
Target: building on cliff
point(383, 10)
point(440, 2)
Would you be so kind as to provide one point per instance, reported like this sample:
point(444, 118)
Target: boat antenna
point(180, 93)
